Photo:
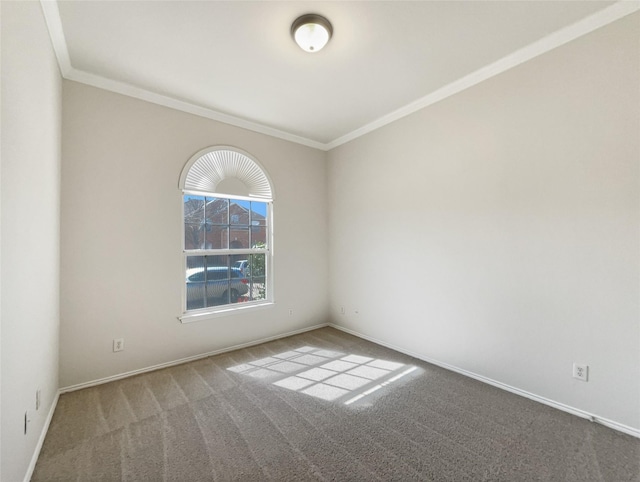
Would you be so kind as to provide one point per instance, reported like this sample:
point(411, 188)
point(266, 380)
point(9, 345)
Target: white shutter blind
point(210, 169)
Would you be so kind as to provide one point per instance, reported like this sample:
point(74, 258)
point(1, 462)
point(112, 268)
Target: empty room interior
point(320, 240)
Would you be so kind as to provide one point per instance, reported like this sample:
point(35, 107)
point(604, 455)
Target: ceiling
point(235, 61)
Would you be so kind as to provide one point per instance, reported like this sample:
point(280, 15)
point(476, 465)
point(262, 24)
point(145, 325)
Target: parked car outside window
point(214, 286)
point(243, 266)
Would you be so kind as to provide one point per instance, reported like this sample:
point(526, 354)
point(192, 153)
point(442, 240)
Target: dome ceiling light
point(311, 32)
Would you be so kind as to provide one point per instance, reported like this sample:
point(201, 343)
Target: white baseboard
point(532, 396)
point(93, 383)
point(43, 434)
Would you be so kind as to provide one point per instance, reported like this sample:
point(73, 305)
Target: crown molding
point(567, 34)
point(184, 106)
point(550, 42)
point(56, 33)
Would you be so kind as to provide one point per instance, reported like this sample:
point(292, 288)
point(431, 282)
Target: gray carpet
point(323, 405)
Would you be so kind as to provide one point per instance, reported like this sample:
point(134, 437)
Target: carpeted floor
point(323, 405)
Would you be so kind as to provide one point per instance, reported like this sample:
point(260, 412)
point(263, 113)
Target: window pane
point(193, 221)
point(258, 236)
point(239, 237)
point(239, 212)
point(219, 223)
point(195, 283)
point(214, 281)
point(258, 213)
point(217, 237)
point(257, 278)
point(240, 262)
point(217, 210)
point(258, 224)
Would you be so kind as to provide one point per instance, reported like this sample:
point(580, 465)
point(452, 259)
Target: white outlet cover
point(581, 372)
point(118, 344)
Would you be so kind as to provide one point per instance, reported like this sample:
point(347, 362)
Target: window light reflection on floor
point(326, 374)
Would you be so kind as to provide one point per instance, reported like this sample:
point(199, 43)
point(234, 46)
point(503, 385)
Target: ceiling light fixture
point(311, 32)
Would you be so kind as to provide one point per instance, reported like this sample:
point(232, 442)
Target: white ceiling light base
point(311, 32)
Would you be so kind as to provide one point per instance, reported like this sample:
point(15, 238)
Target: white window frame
point(231, 308)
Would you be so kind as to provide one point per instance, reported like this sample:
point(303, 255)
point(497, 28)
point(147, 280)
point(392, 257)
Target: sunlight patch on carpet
point(325, 374)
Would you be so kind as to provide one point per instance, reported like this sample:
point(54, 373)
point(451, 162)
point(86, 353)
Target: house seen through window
point(227, 233)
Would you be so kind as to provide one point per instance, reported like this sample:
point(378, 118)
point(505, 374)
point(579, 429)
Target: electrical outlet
point(118, 344)
point(342, 310)
point(290, 312)
point(38, 399)
point(581, 372)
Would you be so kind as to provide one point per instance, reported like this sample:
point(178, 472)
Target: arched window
point(227, 242)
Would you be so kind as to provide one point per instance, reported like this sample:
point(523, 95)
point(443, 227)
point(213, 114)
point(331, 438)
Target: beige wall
point(498, 230)
point(121, 235)
point(31, 96)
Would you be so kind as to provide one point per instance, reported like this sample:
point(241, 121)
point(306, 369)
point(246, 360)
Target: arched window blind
point(226, 171)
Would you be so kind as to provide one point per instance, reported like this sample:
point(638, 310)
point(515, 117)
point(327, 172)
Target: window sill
point(226, 311)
